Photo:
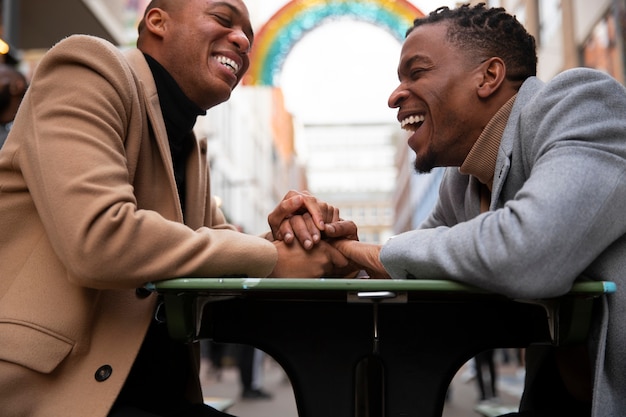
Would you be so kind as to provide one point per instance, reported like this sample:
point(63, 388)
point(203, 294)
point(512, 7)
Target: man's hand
point(341, 229)
point(296, 262)
point(303, 217)
point(364, 255)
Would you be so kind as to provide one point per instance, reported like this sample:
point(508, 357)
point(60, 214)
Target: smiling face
point(437, 98)
point(203, 44)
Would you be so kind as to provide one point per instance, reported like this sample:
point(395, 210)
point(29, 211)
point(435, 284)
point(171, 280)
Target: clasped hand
point(303, 229)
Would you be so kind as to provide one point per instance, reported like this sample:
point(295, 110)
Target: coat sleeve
point(566, 207)
point(76, 132)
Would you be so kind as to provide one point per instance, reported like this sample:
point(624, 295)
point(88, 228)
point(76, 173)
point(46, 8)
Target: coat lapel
point(503, 162)
point(195, 206)
point(155, 116)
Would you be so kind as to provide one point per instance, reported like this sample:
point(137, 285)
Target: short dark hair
point(488, 32)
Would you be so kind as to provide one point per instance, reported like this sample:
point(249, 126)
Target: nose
point(241, 40)
point(397, 97)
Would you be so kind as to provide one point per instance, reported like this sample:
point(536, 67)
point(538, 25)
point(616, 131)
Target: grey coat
point(557, 212)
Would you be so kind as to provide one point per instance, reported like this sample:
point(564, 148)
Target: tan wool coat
point(89, 213)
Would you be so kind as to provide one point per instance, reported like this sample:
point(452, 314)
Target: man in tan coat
point(104, 187)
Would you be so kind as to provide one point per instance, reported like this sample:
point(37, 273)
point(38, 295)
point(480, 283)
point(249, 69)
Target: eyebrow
point(419, 59)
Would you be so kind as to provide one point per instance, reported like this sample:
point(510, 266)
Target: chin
point(423, 164)
point(422, 170)
point(215, 100)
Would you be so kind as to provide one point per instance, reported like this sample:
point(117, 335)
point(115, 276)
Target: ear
point(493, 75)
point(155, 21)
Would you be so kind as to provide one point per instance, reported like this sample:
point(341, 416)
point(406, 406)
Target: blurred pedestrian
point(13, 86)
point(486, 375)
point(250, 365)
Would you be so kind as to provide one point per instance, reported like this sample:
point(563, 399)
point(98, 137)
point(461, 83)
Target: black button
point(103, 373)
point(143, 292)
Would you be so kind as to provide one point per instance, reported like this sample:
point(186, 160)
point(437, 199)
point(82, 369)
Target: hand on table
point(364, 255)
point(323, 260)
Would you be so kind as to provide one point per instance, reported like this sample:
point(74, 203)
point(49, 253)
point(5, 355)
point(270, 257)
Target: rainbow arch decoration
point(295, 19)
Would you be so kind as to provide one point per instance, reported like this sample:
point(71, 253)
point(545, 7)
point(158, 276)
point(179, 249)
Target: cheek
point(244, 69)
point(449, 107)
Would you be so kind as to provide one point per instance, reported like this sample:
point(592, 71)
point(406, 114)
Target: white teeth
point(228, 62)
point(409, 122)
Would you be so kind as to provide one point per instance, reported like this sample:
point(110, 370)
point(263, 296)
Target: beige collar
point(481, 160)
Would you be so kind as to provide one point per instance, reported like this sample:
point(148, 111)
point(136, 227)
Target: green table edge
point(333, 284)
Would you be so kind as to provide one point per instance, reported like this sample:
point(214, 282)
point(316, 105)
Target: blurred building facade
point(573, 33)
point(251, 154)
point(352, 167)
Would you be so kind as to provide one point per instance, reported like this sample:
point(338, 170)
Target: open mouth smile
point(228, 63)
point(412, 123)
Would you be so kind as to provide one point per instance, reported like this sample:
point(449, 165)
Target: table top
point(591, 288)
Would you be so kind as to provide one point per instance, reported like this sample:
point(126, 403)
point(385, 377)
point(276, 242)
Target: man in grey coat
point(533, 196)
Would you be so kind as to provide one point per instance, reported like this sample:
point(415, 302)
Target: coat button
point(143, 292)
point(103, 373)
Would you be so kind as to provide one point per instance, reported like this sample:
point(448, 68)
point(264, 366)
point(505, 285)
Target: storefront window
point(603, 49)
point(550, 16)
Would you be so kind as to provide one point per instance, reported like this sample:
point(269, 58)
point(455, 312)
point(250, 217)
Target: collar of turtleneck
point(179, 114)
point(179, 111)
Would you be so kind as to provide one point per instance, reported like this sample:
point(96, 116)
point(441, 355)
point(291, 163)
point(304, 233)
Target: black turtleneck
point(180, 114)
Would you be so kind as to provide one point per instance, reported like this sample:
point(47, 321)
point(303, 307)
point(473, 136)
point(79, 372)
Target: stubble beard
point(424, 163)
